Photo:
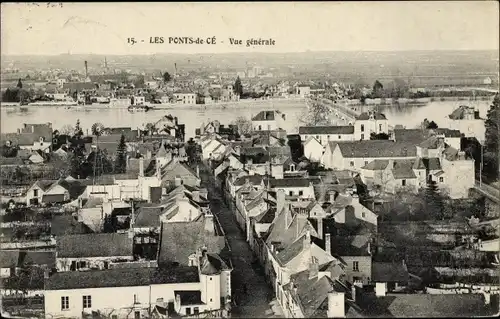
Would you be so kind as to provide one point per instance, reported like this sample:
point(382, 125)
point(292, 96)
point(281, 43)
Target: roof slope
point(376, 148)
point(94, 245)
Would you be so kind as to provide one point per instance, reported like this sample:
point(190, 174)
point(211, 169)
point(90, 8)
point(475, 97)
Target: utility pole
point(481, 168)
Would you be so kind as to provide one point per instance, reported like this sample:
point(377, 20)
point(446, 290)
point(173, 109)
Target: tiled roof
point(266, 217)
point(292, 182)
point(415, 136)
point(182, 239)
point(366, 116)
point(20, 258)
point(376, 165)
point(264, 116)
point(53, 198)
point(350, 245)
point(314, 296)
point(252, 179)
point(403, 169)
point(45, 184)
point(123, 277)
point(290, 252)
point(94, 245)
point(148, 217)
point(318, 130)
point(67, 225)
point(189, 297)
point(288, 227)
point(375, 148)
point(432, 163)
point(389, 272)
point(428, 305)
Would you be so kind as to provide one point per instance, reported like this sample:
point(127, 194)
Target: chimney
point(380, 289)
point(86, 70)
point(280, 200)
point(177, 181)
point(141, 167)
point(354, 289)
point(320, 227)
point(209, 224)
point(336, 305)
point(331, 197)
point(487, 298)
point(328, 243)
point(307, 240)
point(32, 128)
point(313, 268)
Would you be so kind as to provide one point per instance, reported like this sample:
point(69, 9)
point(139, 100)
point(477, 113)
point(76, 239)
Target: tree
point(166, 77)
point(67, 130)
point(121, 156)
point(434, 200)
point(244, 125)
point(19, 84)
point(238, 88)
point(316, 114)
point(78, 132)
point(378, 89)
point(492, 125)
point(432, 125)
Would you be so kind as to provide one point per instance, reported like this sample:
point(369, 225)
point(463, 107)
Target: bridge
point(341, 112)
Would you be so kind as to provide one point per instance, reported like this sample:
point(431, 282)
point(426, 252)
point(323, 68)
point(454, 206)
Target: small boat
point(138, 108)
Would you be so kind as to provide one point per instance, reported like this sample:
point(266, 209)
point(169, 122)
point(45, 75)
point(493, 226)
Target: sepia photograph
point(249, 159)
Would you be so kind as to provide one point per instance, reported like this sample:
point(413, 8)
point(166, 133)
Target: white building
point(370, 122)
point(135, 292)
point(185, 97)
point(268, 121)
point(325, 134)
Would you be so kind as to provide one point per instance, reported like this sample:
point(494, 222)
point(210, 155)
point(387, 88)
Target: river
point(193, 116)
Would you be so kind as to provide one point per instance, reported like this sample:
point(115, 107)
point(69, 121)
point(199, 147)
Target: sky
point(103, 28)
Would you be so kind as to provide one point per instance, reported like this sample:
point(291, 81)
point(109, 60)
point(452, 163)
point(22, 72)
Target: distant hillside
point(341, 64)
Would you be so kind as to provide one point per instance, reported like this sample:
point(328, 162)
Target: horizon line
point(254, 52)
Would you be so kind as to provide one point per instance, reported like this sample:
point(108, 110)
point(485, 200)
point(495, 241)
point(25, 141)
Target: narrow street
point(256, 301)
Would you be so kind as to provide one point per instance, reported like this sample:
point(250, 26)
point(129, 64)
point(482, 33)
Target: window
point(380, 127)
point(362, 136)
point(260, 127)
point(363, 214)
point(441, 179)
point(196, 310)
point(210, 278)
point(210, 299)
point(137, 315)
point(362, 128)
point(366, 162)
point(188, 311)
point(351, 163)
point(328, 136)
point(87, 302)
point(64, 303)
point(403, 182)
point(35, 192)
point(355, 266)
point(136, 300)
point(290, 193)
point(301, 193)
point(317, 137)
point(340, 137)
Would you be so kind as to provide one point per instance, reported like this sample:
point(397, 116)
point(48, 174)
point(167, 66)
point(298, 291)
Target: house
point(370, 122)
point(212, 147)
point(54, 191)
point(180, 241)
point(354, 155)
point(92, 251)
point(452, 171)
point(317, 292)
point(391, 276)
point(346, 209)
point(325, 134)
point(391, 176)
point(353, 250)
point(417, 136)
point(268, 120)
point(184, 290)
point(175, 173)
point(303, 90)
point(300, 187)
point(31, 137)
point(185, 97)
point(313, 149)
point(466, 120)
point(12, 261)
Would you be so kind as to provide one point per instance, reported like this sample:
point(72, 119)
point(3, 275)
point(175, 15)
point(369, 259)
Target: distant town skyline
point(103, 28)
